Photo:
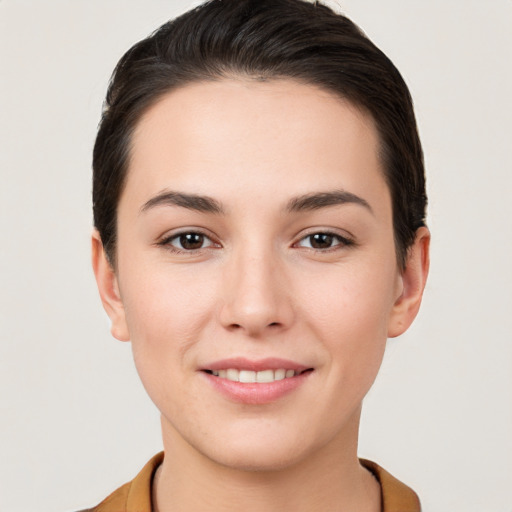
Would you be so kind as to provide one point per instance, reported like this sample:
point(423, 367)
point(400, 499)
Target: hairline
point(231, 73)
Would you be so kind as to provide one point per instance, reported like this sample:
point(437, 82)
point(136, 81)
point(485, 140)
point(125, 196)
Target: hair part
point(262, 40)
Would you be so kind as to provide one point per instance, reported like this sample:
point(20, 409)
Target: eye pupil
point(321, 240)
point(191, 240)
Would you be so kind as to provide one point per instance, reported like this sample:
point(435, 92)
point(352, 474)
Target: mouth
point(256, 382)
point(251, 376)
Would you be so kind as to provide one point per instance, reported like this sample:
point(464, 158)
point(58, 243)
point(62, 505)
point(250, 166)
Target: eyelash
point(342, 242)
point(167, 242)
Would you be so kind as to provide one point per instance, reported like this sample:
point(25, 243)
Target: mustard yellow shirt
point(135, 496)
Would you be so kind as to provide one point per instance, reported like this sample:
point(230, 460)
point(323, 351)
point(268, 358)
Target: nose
point(255, 295)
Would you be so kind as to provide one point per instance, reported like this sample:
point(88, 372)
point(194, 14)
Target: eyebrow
point(319, 200)
point(206, 204)
point(195, 202)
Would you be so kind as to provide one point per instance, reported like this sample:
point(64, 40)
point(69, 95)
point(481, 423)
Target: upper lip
point(256, 365)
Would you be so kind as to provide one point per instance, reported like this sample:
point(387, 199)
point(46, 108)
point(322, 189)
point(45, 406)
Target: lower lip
point(257, 393)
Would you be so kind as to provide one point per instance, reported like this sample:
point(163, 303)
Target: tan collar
point(396, 496)
point(135, 496)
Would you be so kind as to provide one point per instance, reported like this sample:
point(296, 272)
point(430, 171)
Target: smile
point(250, 376)
point(256, 382)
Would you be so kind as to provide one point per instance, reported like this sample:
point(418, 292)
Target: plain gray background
point(75, 422)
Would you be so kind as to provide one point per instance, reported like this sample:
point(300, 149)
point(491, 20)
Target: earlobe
point(108, 288)
point(413, 280)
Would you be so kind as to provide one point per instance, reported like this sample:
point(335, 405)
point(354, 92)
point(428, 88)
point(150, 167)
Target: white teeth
point(280, 374)
point(232, 374)
point(249, 376)
point(265, 376)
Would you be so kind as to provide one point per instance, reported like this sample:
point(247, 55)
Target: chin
point(257, 458)
point(265, 450)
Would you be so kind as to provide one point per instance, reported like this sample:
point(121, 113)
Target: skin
point(256, 288)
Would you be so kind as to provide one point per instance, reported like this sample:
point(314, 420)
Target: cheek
point(165, 314)
point(350, 303)
point(349, 311)
point(165, 311)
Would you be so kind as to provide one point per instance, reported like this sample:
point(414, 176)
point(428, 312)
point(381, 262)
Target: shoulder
point(396, 496)
point(134, 496)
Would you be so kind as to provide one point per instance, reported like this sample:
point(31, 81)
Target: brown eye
point(188, 241)
point(191, 241)
point(324, 241)
point(321, 240)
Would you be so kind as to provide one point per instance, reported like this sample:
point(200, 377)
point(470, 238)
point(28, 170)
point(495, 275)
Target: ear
point(413, 279)
point(108, 287)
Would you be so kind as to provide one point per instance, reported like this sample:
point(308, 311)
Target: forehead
point(211, 134)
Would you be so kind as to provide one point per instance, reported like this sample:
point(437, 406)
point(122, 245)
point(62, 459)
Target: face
point(256, 271)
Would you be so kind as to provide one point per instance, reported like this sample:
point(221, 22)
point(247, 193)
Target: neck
point(330, 479)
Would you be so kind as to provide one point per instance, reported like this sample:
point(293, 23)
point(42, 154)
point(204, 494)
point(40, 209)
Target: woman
point(259, 204)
